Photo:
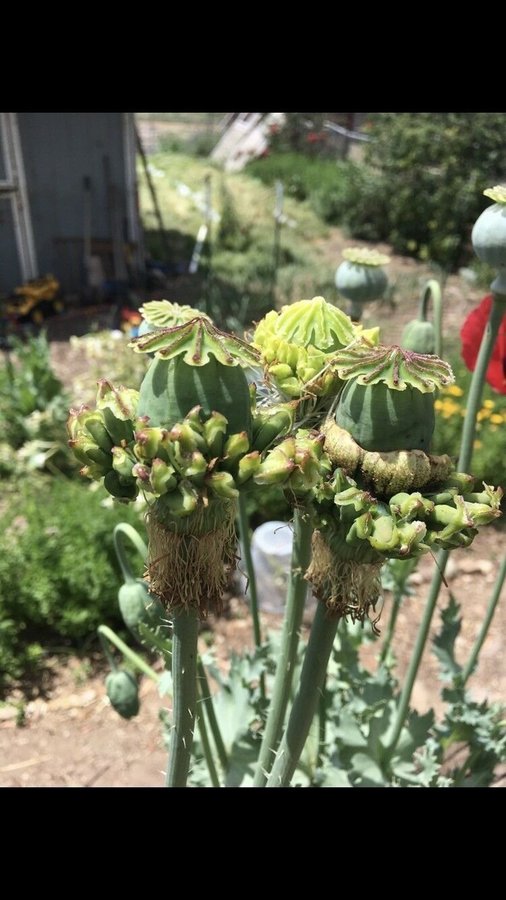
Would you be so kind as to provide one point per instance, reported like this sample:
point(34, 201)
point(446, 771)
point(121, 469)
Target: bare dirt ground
point(68, 735)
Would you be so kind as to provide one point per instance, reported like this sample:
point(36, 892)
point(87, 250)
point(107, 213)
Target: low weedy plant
point(33, 410)
point(344, 424)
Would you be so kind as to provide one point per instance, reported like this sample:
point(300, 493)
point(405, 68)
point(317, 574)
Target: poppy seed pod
point(196, 390)
point(297, 343)
point(360, 277)
point(384, 419)
point(489, 236)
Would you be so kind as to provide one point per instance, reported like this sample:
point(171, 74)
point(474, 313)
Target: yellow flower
point(496, 419)
point(454, 390)
point(447, 407)
point(483, 414)
point(477, 444)
point(488, 404)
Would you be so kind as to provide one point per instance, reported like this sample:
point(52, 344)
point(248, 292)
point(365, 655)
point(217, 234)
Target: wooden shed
point(68, 199)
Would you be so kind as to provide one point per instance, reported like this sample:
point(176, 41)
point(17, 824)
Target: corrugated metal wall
point(59, 150)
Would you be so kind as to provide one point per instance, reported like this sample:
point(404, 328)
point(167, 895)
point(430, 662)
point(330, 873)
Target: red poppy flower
point(471, 334)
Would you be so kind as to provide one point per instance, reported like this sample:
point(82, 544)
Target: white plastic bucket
point(271, 550)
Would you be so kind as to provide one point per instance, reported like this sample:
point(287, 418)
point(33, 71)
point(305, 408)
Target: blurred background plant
point(58, 571)
point(33, 410)
point(104, 352)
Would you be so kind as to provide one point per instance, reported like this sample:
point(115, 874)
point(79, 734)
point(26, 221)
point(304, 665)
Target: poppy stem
point(497, 311)
point(432, 291)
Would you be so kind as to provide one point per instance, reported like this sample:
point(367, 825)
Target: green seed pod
point(491, 496)
point(75, 426)
point(188, 438)
point(119, 409)
point(248, 467)
point(94, 424)
point(419, 336)
point(123, 693)
point(452, 518)
point(275, 469)
point(410, 506)
point(120, 487)
point(481, 513)
point(360, 277)
point(215, 428)
point(96, 455)
point(122, 461)
point(79, 446)
point(171, 388)
point(86, 451)
point(148, 442)
point(93, 471)
point(197, 468)
point(195, 364)
point(235, 446)
point(270, 424)
point(385, 535)
point(461, 480)
point(223, 485)
point(297, 342)
point(141, 473)
point(443, 496)
point(489, 236)
point(280, 372)
point(138, 606)
point(381, 419)
point(411, 535)
point(180, 502)
point(162, 477)
point(361, 528)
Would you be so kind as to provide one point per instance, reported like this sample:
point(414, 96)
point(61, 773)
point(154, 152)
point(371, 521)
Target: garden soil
point(65, 734)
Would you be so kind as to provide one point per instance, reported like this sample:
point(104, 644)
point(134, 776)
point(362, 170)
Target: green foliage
point(231, 233)
point(33, 410)
point(359, 711)
point(58, 573)
point(324, 183)
point(479, 727)
point(423, 179)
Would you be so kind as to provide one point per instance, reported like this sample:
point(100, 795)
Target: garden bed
point(71, 737)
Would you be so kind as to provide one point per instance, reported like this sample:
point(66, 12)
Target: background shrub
point(427, 172)
point(59, 577)
point(323, 182)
